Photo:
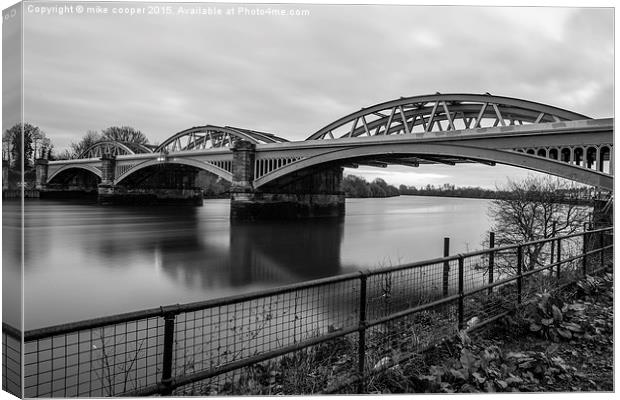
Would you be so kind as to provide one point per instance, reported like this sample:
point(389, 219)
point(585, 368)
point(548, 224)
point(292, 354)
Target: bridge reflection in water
point(281, 252)
point(271, 254)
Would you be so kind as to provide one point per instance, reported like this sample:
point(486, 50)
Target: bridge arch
point(222, 173)
point(211, 136)
point(506, 157)
point(64, 169)
point(426, 113)
point(114, 148)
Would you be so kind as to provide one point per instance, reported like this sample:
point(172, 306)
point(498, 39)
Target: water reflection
point(84, 261)
point(189, 249)
point(11, 263)
point(282, 252)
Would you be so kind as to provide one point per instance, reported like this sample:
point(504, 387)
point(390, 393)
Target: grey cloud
point(291, 76)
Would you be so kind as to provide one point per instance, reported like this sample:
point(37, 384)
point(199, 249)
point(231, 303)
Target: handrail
point(11, 331)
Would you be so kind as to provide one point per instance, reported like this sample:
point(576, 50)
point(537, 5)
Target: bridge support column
point(41, 170)
point(106, 188)
point(242, 170)
point(242, 195)
point(308, 194)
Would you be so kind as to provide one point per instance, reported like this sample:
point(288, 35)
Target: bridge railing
point(326, 335)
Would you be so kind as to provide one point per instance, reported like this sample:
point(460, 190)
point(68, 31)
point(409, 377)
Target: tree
point(124, 134)
point(7, 142)
point(534, 210)
point(354, 186)
point(78, 148)
point(18, 142)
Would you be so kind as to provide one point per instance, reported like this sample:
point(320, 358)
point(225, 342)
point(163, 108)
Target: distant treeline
point(448, 190)
point(355, 186)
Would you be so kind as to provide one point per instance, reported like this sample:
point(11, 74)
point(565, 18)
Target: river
point(83, 260)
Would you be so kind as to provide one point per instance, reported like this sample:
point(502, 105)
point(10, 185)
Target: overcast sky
point(293, 75)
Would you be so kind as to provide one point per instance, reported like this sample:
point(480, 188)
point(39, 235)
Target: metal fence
point(11, 360)
point(328, 335)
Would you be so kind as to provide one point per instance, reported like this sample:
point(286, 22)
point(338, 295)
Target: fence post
point(166, 373)
point(553, 233)
point(584, 259)
point(361, 348)
point(491, 259)
point(461, 297)
point(559, 259)
point(446, 266)
point(519, 272)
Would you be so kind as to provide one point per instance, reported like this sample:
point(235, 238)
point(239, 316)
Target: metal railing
point(326, 335)
point(11, 360)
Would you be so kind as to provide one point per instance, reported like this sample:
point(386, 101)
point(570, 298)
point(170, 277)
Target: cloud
point(293, 75)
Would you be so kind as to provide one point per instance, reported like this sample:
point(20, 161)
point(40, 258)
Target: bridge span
point(271, 175)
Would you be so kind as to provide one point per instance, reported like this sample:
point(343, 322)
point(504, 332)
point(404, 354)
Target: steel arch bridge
point(430, 129)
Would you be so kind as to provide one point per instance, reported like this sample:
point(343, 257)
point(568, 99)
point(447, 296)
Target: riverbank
point(571, 351)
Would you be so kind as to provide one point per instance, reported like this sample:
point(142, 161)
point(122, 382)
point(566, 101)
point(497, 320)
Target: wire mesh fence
point(95, 362)
point(11, 360)
point(329, 335)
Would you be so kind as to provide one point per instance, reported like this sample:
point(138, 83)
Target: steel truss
point(442, 113)
point(214, 137)
point(114, 148)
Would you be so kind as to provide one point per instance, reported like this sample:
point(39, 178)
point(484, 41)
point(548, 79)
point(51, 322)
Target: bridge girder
point(421, 114)
point(347, 155)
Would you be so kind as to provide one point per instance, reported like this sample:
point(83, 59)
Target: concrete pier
point(307, 194)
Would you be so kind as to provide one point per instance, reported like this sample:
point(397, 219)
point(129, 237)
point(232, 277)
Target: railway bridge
point(273, 177)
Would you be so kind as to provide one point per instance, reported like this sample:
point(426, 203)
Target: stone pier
point(307, 194)
point(41, 168)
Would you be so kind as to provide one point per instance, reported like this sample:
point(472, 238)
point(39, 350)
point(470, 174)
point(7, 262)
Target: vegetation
point(449, 190)
point(508, 356)
point(354, 186)
point(122, 134)
point(533, 212)
point(515, 356)
point(17, 153)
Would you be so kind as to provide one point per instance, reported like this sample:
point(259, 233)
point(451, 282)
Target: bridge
point(271, 176)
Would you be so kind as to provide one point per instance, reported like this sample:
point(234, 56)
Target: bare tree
point(88, 140)
point(536, 208)
point(124, 134)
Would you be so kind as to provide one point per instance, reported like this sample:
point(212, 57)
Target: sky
point(292, 75)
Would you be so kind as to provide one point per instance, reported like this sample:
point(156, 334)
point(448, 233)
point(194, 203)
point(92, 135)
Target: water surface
point(83, 260)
